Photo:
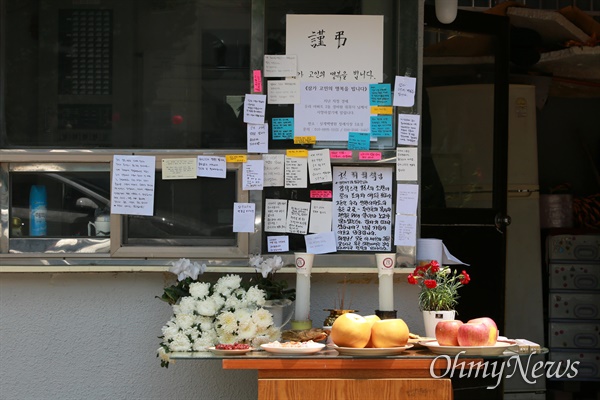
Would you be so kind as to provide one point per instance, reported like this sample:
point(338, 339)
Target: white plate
point(495, 350)
point(418, 343)
point(237, 352)
point(369, 351)
point(311, 349)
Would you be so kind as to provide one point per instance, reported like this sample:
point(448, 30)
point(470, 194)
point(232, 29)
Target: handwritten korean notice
point(297, 217)
point(212, 167)
point(132, 188)
point(296, 172)
point(283, 128)
point(330, 110)
point(275, 215)
point(320, 243)
point(320, 216)
point(406, 163)
point(253, 175)
point(243, 217)
point(284, 92)
point(404, 91)
point(274, 169)
point(407, 198)
point(257, 81)
point(380, 94)
point(254, 108)
point(178, 168)
point(319, 166)
point(408, 129)
point(257, 138)
point(278, 244)
point(362, 208)
point(359, 140)
point(280, 66)
point(381, 126)
point(327, 47)
point(405, 230)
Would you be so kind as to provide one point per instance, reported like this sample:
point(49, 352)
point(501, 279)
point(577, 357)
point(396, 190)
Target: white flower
point(255, 296)
point(262, 318)
point(227, 284)
point(207, 307)
point(187, 305)
point(226, 338)
point(247, 330)
point(275, 263)
point(204, 323)
point(227, 322)
point(180, 343)
point(184, 268)
point(170, 330)
point(199, 290)
point(267, 266)
point(232, 303)
point(242, 315)
point(201, 344)
point(192, 333)
point(184, 321)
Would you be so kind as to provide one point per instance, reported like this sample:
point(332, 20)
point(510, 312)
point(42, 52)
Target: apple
point(372, 319)
point(389, 333)
point(493, 329)
point(446, 332)
point(351, 330)
point(473, 334)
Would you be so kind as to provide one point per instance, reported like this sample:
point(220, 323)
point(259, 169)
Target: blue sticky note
point(359, 140)
point(381, 126)
point(283, 128)
point(380, 94)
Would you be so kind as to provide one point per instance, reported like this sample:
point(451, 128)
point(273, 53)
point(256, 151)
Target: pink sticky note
point(340, 154)
point(369, 155)
point(321, 194)
point(257, 81)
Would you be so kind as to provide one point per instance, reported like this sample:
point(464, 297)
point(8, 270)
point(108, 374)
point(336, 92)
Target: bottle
point(15, 227)
point(37, 210)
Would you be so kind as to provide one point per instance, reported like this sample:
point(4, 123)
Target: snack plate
point(369, 351)
point(495, 350)
point(237, 352)
point(278, 349)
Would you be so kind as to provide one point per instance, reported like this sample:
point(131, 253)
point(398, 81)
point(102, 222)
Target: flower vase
point(282, 311)
point(431, 318)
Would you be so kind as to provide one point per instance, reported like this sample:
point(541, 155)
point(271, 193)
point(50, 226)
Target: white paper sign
point(278, 244)
point(132, 188)
point(280, 66)
point(320, 216)
point(320, 243)
point(404, 91)
point(283, 92)
point(257, 138)
point(296, 173)
point(408, 129)
point(407, 198)
point(297, 217)
point(178, 168)
point(362, 208)
point(254, 108)
point(253, 174)
point(329, 111)
point(319, 166)
point(274, 169)
point(336, 47)
point(275, 215)
point(406, 164)
point(405, 230)
point(212, 167)
point(243, 217)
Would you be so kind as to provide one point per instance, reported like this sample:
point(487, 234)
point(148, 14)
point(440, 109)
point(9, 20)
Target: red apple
point(446, 332)
point(493, 329)
point(473, 334)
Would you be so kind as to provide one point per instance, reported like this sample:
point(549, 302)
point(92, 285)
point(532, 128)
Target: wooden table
point(332, 378)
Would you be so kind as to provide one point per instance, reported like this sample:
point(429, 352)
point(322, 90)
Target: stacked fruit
point(476, 332)
point(354, 330)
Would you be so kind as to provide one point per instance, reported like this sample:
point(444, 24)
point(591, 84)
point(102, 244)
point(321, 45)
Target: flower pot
point(282, 311)
point(431, 318)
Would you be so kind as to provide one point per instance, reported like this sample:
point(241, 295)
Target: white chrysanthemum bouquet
point(224, 312)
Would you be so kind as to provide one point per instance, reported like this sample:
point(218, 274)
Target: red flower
point(435, 267)
point(411, 279)
point(466, 278)
point(434, 263)
point(430, 283)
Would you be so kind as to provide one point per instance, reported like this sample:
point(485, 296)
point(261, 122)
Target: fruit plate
point(495, 350)
point(418, 343)
point(279, 348)
point(369, 351)
point(237, 352)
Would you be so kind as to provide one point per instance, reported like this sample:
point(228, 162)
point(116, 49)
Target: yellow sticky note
point(297, 153)
point(305, 139)
point(381, 110)
point(231, 158)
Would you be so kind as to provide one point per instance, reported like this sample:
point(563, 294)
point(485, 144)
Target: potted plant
point(439, 292)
